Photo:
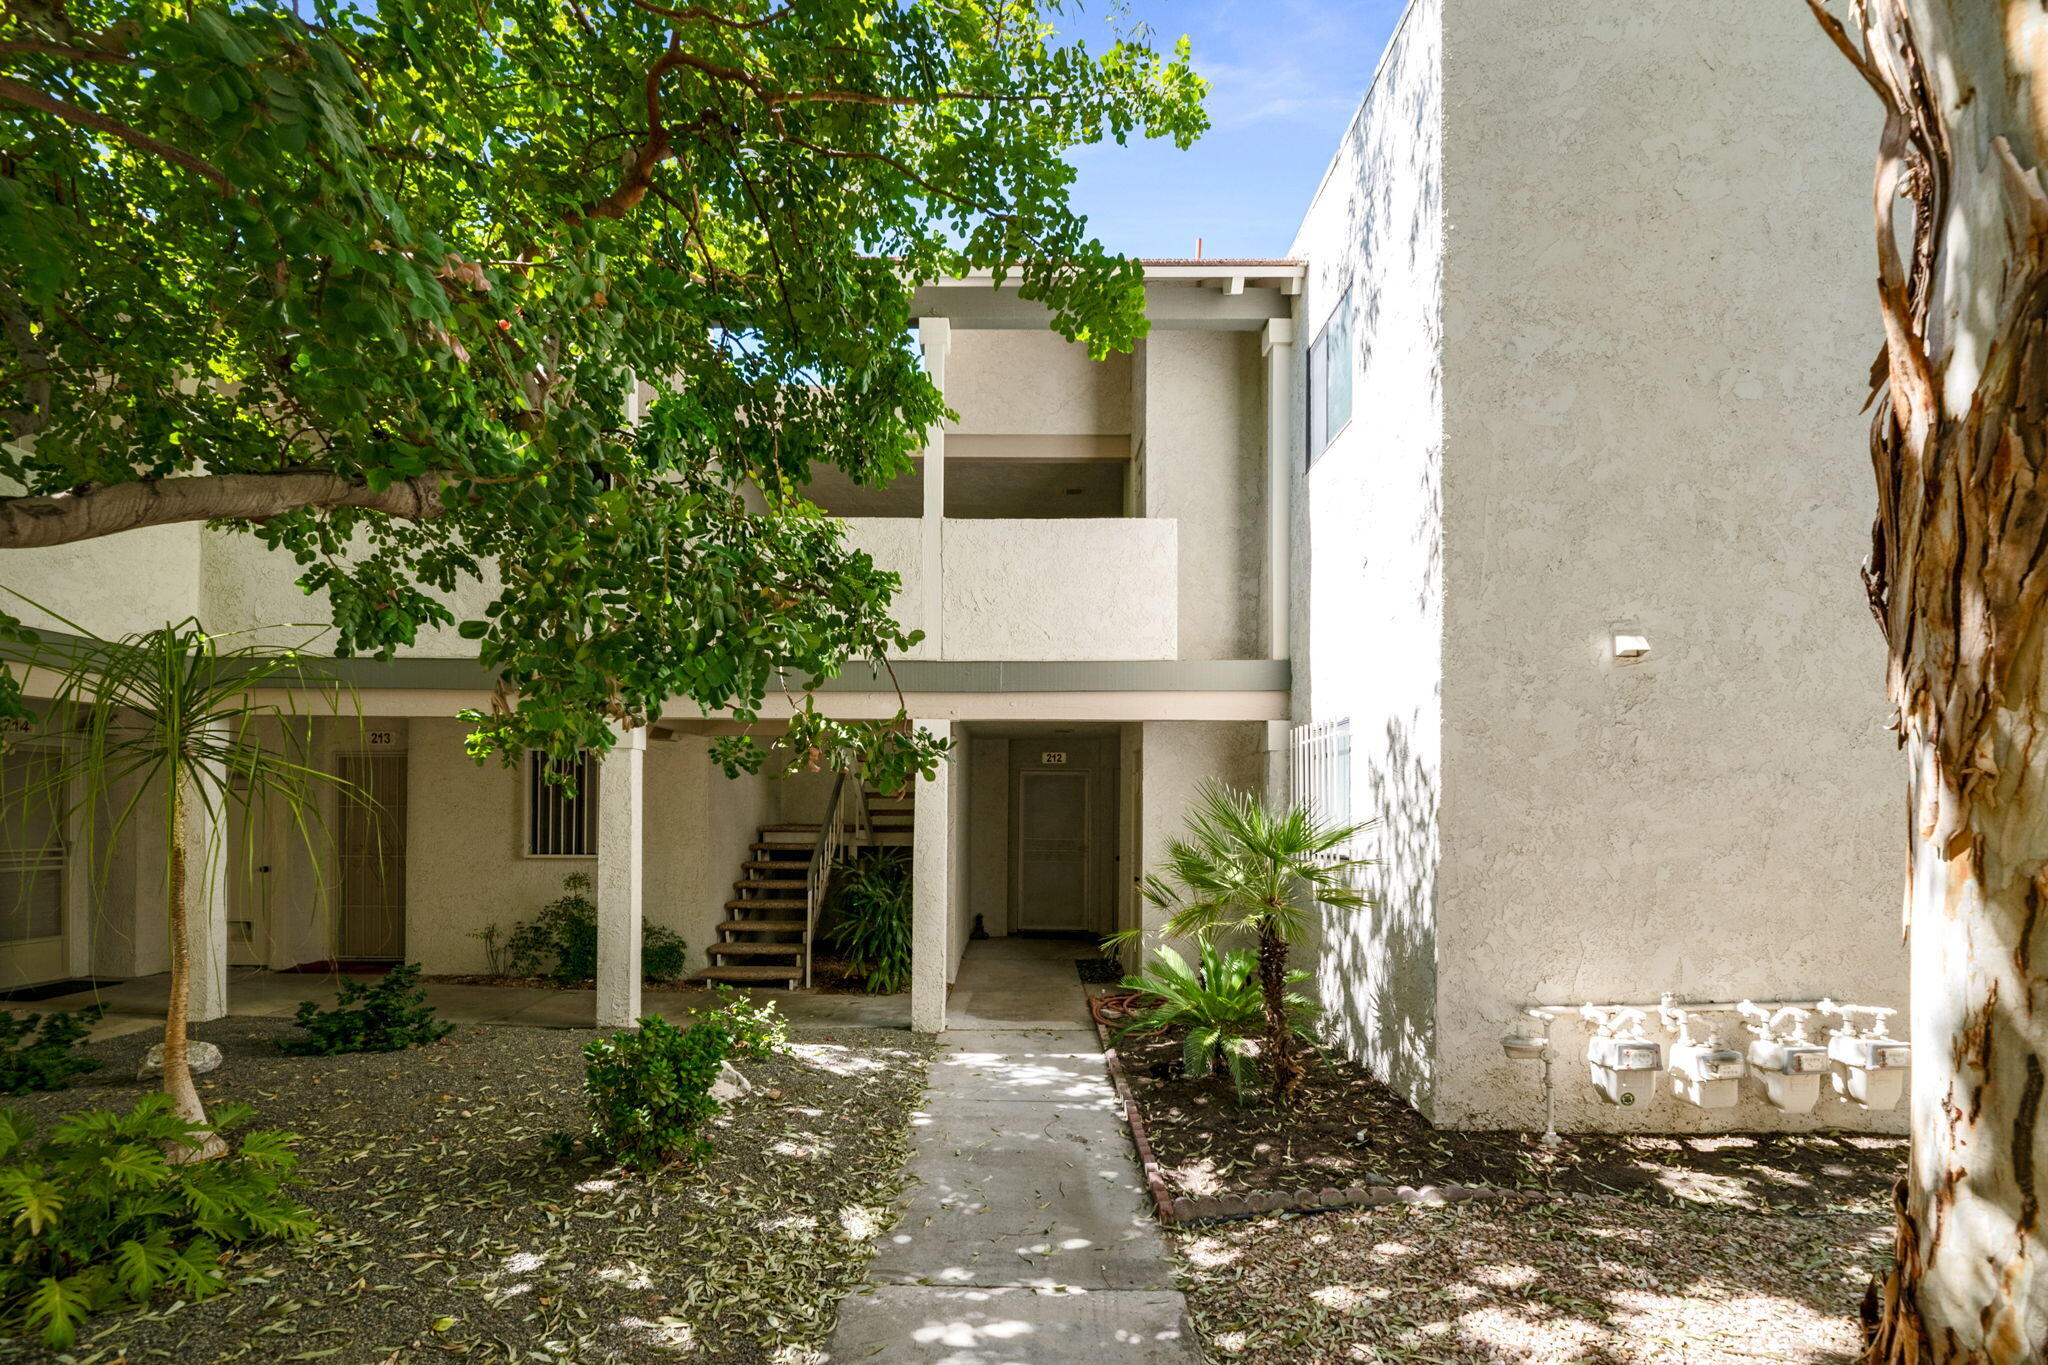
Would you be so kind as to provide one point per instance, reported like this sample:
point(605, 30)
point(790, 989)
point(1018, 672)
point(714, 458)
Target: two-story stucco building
point(1089, 550)
point(1570, 348)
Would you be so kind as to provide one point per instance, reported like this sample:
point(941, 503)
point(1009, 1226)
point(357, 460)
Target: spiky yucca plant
point(1246, 867)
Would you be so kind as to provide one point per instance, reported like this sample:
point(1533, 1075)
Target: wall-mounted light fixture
point(1630, 648)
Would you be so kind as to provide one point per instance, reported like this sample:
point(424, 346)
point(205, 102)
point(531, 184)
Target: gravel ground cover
point(1628, 1250)
point(449, 1232)
point(1348, 1129)
point(1576, 1280)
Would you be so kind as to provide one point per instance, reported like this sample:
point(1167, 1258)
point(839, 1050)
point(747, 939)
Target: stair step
point(791, 829)
point(767, 903)
point(724, 950)
point(762, 926)
point(772, 865)
point(792, 973)
point(762, 883)
point(804, 849)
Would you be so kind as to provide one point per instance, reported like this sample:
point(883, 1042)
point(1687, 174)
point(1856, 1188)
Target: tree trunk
point(177, 1069)
point(1283, 1052)
point(1957, 578)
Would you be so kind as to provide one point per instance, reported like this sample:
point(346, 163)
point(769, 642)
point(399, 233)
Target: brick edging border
point(1224, 1208)
point(1162, 1198)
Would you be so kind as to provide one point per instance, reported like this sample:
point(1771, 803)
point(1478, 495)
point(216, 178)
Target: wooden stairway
point(765, 936)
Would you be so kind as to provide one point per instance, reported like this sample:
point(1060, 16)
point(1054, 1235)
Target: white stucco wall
point(1176, 757)
point(897, 545)
point(1021, 383)
point(113, 586)
point(1369, 549)
point(1656, 331)
point(1202, 407)
point(1081, 589)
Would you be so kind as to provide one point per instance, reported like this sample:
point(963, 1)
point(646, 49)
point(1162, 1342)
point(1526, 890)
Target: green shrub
point(95, 1217)
point(758, 1030)
point(1220, 1006)
point(871, 920)
point(36, 1049)
point(389, 1014)
point(649, 1091)
point(561, 941)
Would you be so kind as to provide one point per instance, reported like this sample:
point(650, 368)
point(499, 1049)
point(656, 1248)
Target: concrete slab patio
point(137, 1005)
point(1028, 1238)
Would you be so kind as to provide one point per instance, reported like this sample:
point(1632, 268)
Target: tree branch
point(22, 93)
point(31, 523)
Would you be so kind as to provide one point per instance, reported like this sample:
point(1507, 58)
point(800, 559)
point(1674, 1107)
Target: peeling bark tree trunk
point(177, 1069)
point(1957, 578)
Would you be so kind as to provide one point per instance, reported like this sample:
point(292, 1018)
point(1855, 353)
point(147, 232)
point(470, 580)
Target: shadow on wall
point(1376, 968)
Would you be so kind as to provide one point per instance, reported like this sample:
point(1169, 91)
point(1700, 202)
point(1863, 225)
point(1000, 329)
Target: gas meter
point(1706, 1074)
point(1624, 1069)
point(1789, 1070)
point(1787, 1066)
point(1870, 1065)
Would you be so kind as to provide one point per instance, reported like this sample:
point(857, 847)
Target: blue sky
point(1284, 75)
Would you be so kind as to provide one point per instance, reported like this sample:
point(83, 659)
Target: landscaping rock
point(731, 1086)
point(199, 1057)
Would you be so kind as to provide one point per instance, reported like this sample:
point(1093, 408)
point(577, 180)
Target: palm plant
point(1220, 1006)
point(1248, 867)
point(174, 710)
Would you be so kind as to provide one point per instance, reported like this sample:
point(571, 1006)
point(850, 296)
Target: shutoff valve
point(1624, 1063)
point(1704, 1074)
point(1869, 1064)
point(1787, 1065)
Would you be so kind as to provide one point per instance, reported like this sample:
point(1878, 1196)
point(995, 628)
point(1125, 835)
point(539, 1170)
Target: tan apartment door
point(371, 853)
point(1063, 836)
point(34, 868)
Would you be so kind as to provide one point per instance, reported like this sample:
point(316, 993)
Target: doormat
point(50, 990)
point(331, 967)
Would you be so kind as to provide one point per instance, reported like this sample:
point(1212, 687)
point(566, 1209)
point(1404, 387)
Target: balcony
point(1036, 589)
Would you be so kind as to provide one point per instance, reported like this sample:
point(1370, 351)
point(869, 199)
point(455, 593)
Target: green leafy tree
point(176, 712)
point(568, 298)
point(1245, 867)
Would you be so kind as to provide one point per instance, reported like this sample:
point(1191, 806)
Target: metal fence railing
point(1319, 771)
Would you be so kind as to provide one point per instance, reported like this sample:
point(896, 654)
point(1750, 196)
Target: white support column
point(621, 823)
point(206, 906)
point(1277, 344)
point(935, 336)
point(931, 916)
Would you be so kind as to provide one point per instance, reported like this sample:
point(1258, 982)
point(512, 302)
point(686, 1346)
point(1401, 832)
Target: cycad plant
point(174, 711)
point(1220, 1006)
point(1246, 867)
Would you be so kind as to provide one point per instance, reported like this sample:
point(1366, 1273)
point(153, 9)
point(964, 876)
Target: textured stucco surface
point(897, 545)
point(1658, 327)
point(1177, 757)
point(1083, 589)
point(1369, 542)
point(1201, 399)
point(113, 586)
point(1655, 336)
point(1017, 383)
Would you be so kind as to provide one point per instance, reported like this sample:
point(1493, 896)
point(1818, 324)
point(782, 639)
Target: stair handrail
point(824, 856)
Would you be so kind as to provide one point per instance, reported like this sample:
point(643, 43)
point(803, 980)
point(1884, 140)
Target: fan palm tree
point(173, 710)
point(1247, 867)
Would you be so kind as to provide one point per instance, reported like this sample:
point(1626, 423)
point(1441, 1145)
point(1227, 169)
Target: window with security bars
point(561, 807)
point(1320, 772)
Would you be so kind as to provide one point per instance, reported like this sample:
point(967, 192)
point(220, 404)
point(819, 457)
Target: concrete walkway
point(1029, 1237)
point(138, 1005)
